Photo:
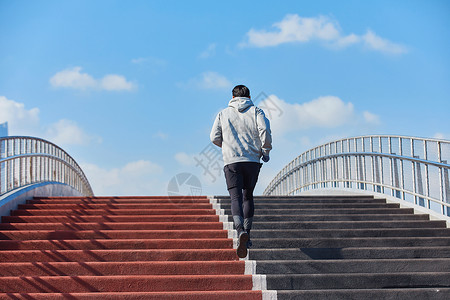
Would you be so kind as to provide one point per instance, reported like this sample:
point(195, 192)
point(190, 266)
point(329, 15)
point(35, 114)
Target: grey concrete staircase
point(348, 247)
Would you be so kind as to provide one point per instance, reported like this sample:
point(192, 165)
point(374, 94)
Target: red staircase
point(119, 248)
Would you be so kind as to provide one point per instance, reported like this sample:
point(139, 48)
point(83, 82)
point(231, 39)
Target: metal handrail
point(411, 169)
point(29, 160)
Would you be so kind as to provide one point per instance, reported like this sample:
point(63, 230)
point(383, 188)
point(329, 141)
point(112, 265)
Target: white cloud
point(185, 159)
point(67, 132)
point(21, 121)
point(157, 62)
point(294, 28)
point(441, 136)
point(374, 42)
point(115, 83)
point(75, 79)
point(208, 81)
point(322, 112)
point(135, 178)
point(27, 122)
point(371, 118)
point(208, 52)
point(161, 135)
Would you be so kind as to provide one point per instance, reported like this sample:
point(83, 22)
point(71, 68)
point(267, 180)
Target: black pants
point(241, 180)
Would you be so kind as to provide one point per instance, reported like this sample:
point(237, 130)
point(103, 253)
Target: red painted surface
point(119, 248)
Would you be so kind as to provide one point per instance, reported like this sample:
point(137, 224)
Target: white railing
point(412, 169)
point(27, 160)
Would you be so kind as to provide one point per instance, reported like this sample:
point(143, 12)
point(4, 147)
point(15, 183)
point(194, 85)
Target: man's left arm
point(216, 132)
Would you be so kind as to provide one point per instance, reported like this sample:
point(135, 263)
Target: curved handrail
point(412, 169)
point(29, 160)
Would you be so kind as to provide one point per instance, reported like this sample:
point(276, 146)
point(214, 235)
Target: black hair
point(241, 91)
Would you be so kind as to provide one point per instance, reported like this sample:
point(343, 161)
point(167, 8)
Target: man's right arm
point(216, 132)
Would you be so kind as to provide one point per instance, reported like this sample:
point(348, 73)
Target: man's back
point(243, 132)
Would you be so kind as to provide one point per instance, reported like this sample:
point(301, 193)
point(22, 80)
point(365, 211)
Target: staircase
point(347, 248)
point(120, 248)
point(180, 248)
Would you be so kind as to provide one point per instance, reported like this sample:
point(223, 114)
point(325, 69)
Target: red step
point(108, 212)
point(113, 226)
point(110, 234)
point(121, 255)
point(130, 283)
point(119, 248)
point(180, 295)
point(83, 268)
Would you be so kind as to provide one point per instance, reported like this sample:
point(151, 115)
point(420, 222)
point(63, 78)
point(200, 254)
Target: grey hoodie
point(242, 131)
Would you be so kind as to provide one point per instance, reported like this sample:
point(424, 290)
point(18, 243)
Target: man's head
point(241, 91)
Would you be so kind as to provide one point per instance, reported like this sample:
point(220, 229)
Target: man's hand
point(265, 158)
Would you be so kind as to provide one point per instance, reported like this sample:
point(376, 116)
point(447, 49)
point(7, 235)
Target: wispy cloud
point(209, 51)
point(322, 112)
point(296, 29)
point(21, 121)
point(207, 81)
point(141, 177)
point(67, 132)
point(73, 78)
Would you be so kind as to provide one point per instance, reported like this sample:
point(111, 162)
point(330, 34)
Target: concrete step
point(437, 293)
point(358, 281)
point(259, 243)
point(348, 224)
point(328, 217)
point(337, 233)
point(337, 211)
point(385, 266)
point(395, 252)
point(322, 206)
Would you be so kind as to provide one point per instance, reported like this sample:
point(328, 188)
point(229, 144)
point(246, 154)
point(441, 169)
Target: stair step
point(395, 252)
point(141, 283)
point(113, 226)
point(357, 281)
point(352, 266)
point(349, 224)
point(118, 255)
point(111, 234)
point(122, 268)
point(336, 233)
point(350, 242)
point(334, 211)
point(108, 212)
point(180, 295)
point(437, 293)
point(117, 244)
point(337, 217)
point(152, 206)
point(321, 206)
point(111, 218)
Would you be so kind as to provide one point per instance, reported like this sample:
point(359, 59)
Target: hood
point(240, 103)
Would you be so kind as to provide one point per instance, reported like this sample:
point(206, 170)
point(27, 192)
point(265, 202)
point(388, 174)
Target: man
point(243, 133)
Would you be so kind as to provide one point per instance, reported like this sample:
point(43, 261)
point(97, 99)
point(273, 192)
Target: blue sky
point(130, 88)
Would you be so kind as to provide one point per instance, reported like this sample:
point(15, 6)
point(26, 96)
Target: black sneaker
point(249, 243)
point(241, 250)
